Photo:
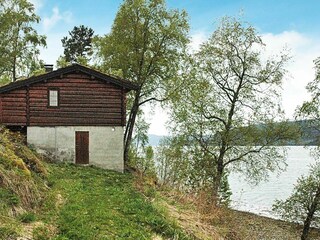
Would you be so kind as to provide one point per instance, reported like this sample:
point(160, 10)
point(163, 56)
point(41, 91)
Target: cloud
point(157, 117)
point(197, 39)
point(290, 39)
point(37, 4)
point(49, 22)
point(54, 48)
point(303, 50)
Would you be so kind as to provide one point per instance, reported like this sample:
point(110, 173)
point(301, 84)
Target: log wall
point(83, 101)
point(14, 107)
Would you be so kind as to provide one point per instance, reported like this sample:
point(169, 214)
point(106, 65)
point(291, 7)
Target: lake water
point(259, 199)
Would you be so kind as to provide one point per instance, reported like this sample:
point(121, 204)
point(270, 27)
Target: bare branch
point(244, 154)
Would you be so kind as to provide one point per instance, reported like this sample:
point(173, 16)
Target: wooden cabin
point(73, 114)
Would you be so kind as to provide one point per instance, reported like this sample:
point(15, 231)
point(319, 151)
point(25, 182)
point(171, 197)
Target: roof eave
point(75, 67)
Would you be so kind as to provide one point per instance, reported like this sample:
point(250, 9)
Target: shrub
point(27, 217)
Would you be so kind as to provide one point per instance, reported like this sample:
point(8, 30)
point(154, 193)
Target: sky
point(290, 24)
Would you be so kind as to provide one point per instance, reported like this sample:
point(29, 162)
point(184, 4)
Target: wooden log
point(1, 109)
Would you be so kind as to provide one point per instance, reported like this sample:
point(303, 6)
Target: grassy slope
point(72, 202)
point(21, 183)
point(63, 201)
point(100, 204)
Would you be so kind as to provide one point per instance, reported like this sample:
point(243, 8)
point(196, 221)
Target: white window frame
point(53, 98)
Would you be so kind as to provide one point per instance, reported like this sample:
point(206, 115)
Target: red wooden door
point(82, 147)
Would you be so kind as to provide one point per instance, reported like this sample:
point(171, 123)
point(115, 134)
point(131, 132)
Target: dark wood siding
point(0, 110)
point(82, 101)
point(14, 107)
point(124, 107)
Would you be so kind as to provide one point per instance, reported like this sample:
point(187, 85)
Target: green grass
point(8, 198)
point(100, 204)
point(27, 217)
point(65, 201)
point(22, 184)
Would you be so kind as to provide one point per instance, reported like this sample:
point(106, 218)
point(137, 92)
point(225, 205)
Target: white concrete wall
point(105, 144)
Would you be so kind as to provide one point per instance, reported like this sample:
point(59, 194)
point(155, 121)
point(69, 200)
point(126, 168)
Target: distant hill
point(154, 140)
point(310, 136)
point(310, 132)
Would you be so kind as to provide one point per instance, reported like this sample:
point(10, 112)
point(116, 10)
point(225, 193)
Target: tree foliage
point(78, 44)
point(143, 161)
point(19, 40)
point(310, 109)
point(303, 205)
point(172, 168)
point(185, 166)
point(229, 105)
point(141, 155)
point(145, 45)
point(140, 139)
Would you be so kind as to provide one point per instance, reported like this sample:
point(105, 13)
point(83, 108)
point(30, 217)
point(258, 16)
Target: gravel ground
point(205, 223)
point(249, 226)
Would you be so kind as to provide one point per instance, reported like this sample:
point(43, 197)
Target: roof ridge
point(70, 68)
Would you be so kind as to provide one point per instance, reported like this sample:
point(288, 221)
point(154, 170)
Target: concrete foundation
point(105, 144)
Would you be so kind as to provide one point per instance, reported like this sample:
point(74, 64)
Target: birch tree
point(19, 40)
point(145, 45)
point(303, 205)
point(228, 108)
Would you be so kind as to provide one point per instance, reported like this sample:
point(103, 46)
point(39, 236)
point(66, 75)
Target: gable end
point(75, 68)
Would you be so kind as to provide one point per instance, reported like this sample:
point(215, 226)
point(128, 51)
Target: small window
point(53, 98)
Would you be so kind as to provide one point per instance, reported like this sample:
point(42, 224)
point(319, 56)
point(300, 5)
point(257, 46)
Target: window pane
point(53, 98)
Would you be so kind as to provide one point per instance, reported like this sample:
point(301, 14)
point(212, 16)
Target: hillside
point(92, 203)
point(308, 134)
point(22, 184)
point(154, 140)
point(41, 200)
point(64, 201)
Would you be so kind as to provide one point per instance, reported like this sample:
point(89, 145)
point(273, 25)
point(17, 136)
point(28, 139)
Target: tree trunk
point(14, 78)
point(224, 143)
point(217, 179)
point(312, 210)
point(130, 127)
point(222, 151)
point(306, 226)
point(16, 52)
